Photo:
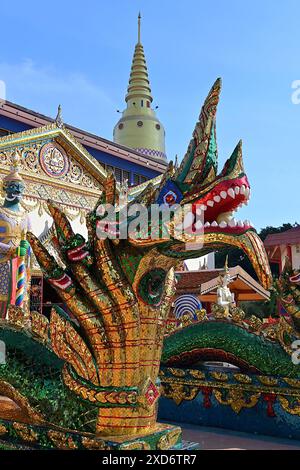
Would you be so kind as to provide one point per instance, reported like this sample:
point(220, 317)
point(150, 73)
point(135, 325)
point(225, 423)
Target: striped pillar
point(20, 292)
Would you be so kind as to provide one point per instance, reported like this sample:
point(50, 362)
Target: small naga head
point(212, 196)
point(287, 287)
point(207, 201)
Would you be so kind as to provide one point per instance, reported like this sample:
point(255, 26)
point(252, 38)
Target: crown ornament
point(14, 174)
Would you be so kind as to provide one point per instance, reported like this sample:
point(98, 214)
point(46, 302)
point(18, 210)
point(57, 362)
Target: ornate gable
point(54, 166)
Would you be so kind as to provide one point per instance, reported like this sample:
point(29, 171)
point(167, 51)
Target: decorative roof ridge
point(99, 140)
point(83, 150)
point(28, 133)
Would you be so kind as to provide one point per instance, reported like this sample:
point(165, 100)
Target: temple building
point(280, 246)
point(127, 164)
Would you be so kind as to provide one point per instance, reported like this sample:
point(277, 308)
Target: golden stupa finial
point(58, 119)
point(139, 27)
point(224, 272)
point(151, 137)
point(15, 160)
point(139, 84)
point(176, 162)
point(226, 269)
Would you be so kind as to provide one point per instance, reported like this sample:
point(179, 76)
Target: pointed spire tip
point(139, 27)
point(58, 119)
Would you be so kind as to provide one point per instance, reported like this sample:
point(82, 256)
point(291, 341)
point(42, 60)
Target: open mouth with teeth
point(216, 209)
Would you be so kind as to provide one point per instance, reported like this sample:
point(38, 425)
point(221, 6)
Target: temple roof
point(35, 119)
point(139, 84)
point(205, 284)
point(289, 237)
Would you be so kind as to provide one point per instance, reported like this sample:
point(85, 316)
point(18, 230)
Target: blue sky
point(79, 54)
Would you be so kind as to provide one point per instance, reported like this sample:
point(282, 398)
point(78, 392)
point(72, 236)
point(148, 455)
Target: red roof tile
point(289, 237)
point(193, 279)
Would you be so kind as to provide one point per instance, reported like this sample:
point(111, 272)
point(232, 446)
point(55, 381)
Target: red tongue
point(78, 253)
point(62, 283)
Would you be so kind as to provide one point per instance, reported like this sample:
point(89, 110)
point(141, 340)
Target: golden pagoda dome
point(139, 128)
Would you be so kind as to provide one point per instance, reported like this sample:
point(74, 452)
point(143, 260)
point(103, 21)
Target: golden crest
point(61, 440)
point(220, 376)
point(25, 433)
point(168, 440)
point(237, 399)
point(243, 378)
point(265, 380)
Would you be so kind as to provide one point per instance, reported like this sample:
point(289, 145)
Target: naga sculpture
point(287, 288)
point(118, 292)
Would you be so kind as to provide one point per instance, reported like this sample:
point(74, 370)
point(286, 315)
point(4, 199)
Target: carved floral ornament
point(234, 396)
point(53, 160)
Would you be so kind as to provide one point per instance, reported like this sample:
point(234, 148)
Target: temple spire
point(139, 28)
point(139, 84)
point(139, 128)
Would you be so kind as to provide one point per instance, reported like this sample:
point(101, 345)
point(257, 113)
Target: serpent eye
point(150, 288)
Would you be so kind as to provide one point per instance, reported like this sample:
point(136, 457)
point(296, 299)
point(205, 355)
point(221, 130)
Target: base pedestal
point(161, 437)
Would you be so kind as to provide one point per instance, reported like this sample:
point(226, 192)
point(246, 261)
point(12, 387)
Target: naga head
point(199, 200)
point(287, 289)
